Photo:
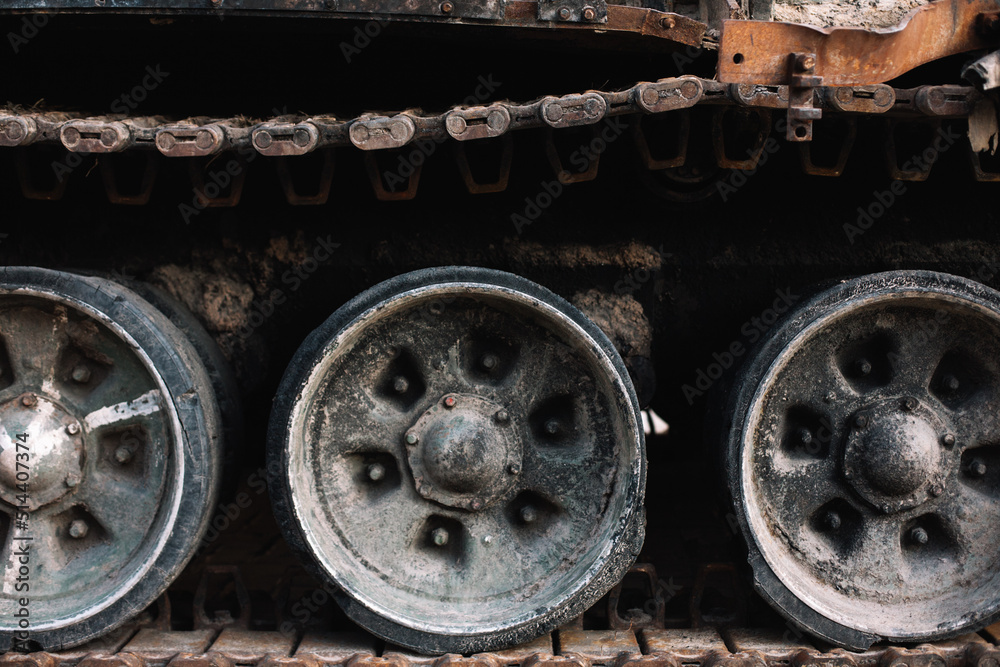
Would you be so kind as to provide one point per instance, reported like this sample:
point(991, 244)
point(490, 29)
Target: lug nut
point(400, 384)
point(950, 382)
point(589, 14)
point(376, 472)
point(411, 438)
point(564, 13)
point(449, 402)
point(73, 428)
point(977, 468)
point(72, 480)
point(831, 520)
point(28, 400)
point(447, 7)
point(123, 454)
point(78, 529)
point(476, 505)
point(861, 421)
point(948, 440)
point(863, 366)
point(551, 427)
point(909, 404)
point(805, 436)
point(502, 416)
point(919, 536)
point(514, 469)
point(489, 361)
point(936, 490)
point(528, 514)
point(440, 536)
point(81, 374)
point(830, 397)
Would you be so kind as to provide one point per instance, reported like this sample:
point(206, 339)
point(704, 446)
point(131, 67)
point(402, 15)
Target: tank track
point(412, 135)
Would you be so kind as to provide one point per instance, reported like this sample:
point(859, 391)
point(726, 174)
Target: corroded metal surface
point(865, 468)
point(463, 459)
point(758, 52)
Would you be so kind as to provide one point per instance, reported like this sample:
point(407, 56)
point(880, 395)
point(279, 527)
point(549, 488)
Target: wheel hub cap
point(462, 453)
point(893, 458)
point(54, 446)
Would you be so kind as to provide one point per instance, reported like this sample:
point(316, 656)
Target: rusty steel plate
point(758, 51)
point(864, 461)
point(459, 450)
point(108, 461)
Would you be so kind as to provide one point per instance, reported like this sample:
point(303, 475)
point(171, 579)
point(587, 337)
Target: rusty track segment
point(706, 647)
point(759, 52)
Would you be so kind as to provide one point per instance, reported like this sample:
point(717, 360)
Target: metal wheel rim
point(189, 469)
point(378, 611)
point(892, 293)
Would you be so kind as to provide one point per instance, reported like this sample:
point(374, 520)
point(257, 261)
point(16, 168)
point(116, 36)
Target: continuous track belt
point(297, 135)
point(705, 647)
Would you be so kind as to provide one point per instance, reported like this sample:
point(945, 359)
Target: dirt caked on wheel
point(864, 460)
point(460, 453)
point(109, 464)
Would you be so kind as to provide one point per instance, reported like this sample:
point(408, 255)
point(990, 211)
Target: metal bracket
point(578, 11)
point(802, 81)
point(757, 51)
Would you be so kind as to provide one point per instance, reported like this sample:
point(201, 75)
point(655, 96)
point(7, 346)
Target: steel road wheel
point(864, 460)
point(121, 427)
point(458, 449)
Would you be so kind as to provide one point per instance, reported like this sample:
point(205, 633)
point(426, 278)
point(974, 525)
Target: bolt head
point(376, 472)
point(123, 454)
point(78, 529)
point(528, 514)
point(476, 505)
point(449, 402)
point(551, 427)
point(73, 428)
point(81, 374)
point(861, 421)
point(805, 436)
point(447, 7)
point(263, 139)
point(951, 383)
point(830, 397)
point(948, 440)
point(832, 520)
point(400, 384)
point(977, 467)
point(502, 416)
point(440, 536)
point(72, 480)
point(864, 367)
point(589, 14)
point(667, 22)
point(204, 140)
point(514, 469)
point(805, 62)
point(919, 536)
point(564, 13)
point(412, 439)
point(936, 490)
point(489, 361)
point(28, 400)
point(909, 404)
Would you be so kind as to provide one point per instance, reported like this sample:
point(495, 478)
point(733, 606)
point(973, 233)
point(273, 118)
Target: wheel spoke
point(126, 411)
point(35, 342)
point(121, 510)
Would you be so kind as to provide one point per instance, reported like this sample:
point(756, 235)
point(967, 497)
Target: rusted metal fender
point(758, 51)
